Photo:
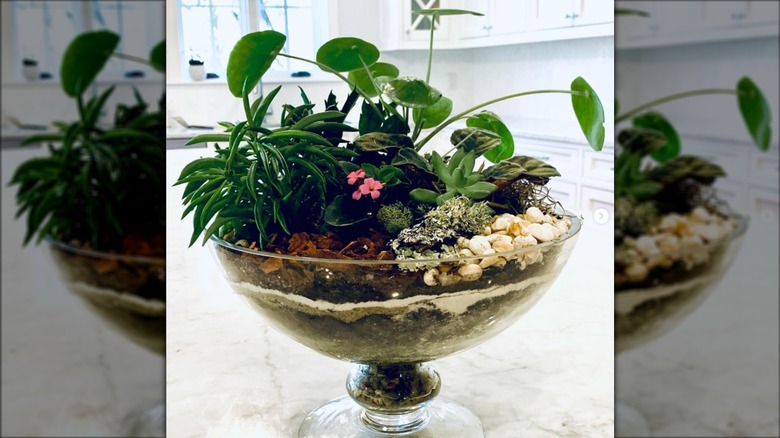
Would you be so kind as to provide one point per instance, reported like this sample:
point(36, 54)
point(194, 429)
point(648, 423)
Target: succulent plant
point(459, 177)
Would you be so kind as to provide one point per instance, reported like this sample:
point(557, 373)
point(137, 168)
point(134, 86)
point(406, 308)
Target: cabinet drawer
point(594, 198)
point(765, 167)
point(565, 192)
point(599, 165)
point(732, 192)
point(764, 204)
point(564, 159)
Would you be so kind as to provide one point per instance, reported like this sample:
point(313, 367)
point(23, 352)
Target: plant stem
point(389, 108)
point(131, 58)
point(430, 50)
point(340, 76)
point(484, 104)
point(670, 98)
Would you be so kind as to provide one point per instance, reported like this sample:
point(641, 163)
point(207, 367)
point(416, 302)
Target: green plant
point(98, 184)
point(305, 176)
point(653, 136)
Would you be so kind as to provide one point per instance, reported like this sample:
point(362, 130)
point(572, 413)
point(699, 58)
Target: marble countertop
point(230, 374)
point(64, 371)
point(716, 373)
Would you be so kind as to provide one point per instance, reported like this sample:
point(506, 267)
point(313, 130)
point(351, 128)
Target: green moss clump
point(394, 217)
point(633, 218)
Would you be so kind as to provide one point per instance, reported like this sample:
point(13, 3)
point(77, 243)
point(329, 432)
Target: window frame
point(178, 64)
point(85, 11)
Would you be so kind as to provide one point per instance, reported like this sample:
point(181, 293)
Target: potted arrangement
point(674, 238)
point(197, 70)
point(98, 199)
point(30, 69)
point(345, 236)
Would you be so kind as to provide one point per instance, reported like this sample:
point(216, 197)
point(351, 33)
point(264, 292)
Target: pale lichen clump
point(435, 236)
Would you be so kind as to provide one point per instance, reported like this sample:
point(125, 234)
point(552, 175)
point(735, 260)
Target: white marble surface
point(230, 375)
point(716, 373)
point(64, 372)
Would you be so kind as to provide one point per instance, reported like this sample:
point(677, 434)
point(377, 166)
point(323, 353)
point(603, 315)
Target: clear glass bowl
point(646, 310)
point(388, 321)
point(127, 292)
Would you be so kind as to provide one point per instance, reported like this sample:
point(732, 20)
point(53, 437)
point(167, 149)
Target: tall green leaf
point(589, 112)
point(84, 58)
point(251, 57)
point(755, 112)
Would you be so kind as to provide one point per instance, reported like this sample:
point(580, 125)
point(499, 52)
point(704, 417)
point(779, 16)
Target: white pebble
point(430, 277)
point(479, 244)
point(541, 233)
point(502, 246)
point(553, 229)
point(523, 241)
point(470, 272)
point(534, 215)
point(636, 272)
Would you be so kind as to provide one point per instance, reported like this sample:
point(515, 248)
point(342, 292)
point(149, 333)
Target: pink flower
point(354, 176)
point(370, 186)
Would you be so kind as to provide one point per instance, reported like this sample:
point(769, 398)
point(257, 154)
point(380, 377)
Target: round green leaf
point(589, 112)
point(251, 57)
point(411, 92)
point(755, 112)
point(432, 115)
point(491, 122)
point(84, 58)
point(345, 54)
point(157, 56)
point(441, 12)
point(657, 122)
point(379, 70)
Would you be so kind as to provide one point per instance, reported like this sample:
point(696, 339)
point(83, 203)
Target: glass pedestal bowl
point(390, 321)
point(127, 292)
point(646, 309)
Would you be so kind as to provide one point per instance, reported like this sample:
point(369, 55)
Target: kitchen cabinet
point(504, 22)
point(694, 22)
point(570, 13)
point(403, 29)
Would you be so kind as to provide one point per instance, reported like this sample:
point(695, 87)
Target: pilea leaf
point(755, 112)
point(657, 122)
point(84, 58)
point(491, 122)
point(411, 92)
point(432, 115)
point(345, 54)
point(382, 70)
point(251, 57)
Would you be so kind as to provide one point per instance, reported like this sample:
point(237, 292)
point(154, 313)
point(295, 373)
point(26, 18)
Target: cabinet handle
point(572, 16)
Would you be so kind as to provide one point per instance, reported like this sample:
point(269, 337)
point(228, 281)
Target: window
point(42, 31)
point(210, 28)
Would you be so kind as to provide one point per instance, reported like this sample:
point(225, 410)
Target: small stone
point(501, 223)
point(523, 241)
point(541, 233)
point(243, 243)
point(646, 245)
point(430, 277)
point(553, 229)
point(516, 228)
point(700, 214)
point(502, 246)
point(636, 272)
point(534, 215)
point(448, 279)
point(470, 272)
point(479, 244)
point(708, 232)
point(488, 261)
point(487, 230)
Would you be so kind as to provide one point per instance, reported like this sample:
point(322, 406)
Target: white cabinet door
point(552, 14)
point(508, 17)
point(594, 12)
point(415, 31)
point(472, 26)
point(594, 198)
point(736, 14)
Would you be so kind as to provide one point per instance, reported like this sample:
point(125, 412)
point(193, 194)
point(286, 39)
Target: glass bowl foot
point(629, 422)
point(343, 418)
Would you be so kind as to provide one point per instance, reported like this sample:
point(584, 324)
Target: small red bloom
point(354, 176)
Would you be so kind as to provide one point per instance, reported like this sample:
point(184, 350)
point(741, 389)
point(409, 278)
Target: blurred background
point(716, 374)
point(64, 371)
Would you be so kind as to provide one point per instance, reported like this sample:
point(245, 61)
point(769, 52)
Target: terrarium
point(98, 197)
point(345, 235)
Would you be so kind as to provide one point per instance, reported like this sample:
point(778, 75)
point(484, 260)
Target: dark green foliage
point(98, 183)
point(394, 217)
